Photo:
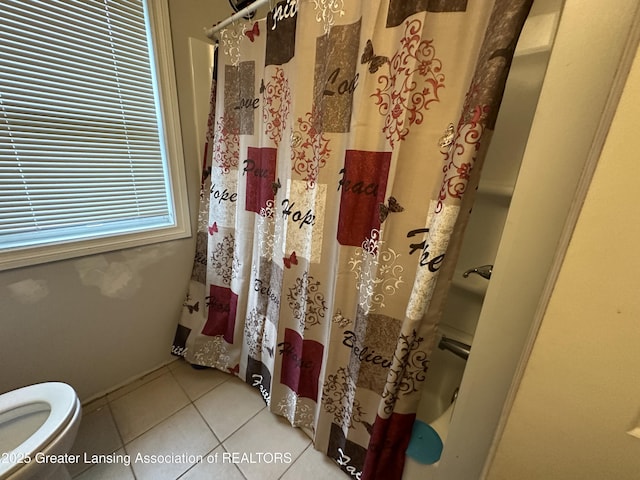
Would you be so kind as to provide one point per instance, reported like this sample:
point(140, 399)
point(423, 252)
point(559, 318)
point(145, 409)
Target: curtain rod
point(210, 32)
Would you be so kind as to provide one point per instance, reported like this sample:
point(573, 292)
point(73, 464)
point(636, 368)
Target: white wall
point(98, 321)
point(580, 392)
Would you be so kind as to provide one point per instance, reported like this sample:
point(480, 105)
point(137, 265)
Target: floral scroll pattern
point(338, 399)
point(326, 12)
point(409, 369)
point(230, 38)
point(413, 82)
point(255, 334)
point(213, 353)
point(224, 260)
point(270, 226)
point(298, 413)
point(377, 272)
point(310, 148)
point(226, 146)
point(461, 154)
point(307, 303)
point(276, 106)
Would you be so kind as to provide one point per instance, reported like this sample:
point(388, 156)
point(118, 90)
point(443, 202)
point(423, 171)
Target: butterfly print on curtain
point(402, 97)
point(252, 33)
point(392, 206)
point(369, 57)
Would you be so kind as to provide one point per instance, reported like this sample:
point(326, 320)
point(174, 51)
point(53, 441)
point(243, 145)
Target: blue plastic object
point(425, 445)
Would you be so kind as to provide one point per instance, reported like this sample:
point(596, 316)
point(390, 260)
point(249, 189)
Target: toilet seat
point(63, 403)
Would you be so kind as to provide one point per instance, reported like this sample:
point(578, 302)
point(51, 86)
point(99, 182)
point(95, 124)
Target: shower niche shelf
point(495, 189)
point(470, 285)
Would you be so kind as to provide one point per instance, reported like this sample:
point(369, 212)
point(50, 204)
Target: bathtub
point(443, 379)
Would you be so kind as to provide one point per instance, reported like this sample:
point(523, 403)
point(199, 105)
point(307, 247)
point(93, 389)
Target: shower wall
point(501, 169)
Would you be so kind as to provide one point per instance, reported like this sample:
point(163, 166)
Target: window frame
point(161, 48)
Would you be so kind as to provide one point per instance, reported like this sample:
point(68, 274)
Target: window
point(90, 150)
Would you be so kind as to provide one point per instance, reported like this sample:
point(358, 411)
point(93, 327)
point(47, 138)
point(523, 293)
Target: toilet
point(38, 425)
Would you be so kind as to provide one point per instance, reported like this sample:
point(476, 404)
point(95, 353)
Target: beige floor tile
point(139, 410)
point(155, 417)
point(172, 447)
point(215, 466)
point(270, 445)
point(229, 406)
point(119, 470)
point(197, 382)
point(97, 435)
point(313, 465)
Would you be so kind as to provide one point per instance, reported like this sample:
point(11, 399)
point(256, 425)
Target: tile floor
point(180, 414)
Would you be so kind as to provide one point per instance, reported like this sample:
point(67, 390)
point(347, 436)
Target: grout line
point(242, 425)
point(115, 424)
point(155, 425)
point(175, 377)
point(207, 424)
point(297, 458)
point(235, 464)
point(122, 444)
point(210, 452)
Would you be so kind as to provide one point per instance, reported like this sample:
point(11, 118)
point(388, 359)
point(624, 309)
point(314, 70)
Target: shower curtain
point(343, 136)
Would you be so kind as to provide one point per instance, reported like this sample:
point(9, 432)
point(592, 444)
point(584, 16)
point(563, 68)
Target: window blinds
point(81, 149)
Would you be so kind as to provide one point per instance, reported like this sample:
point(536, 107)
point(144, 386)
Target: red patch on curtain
point(388, 445)
point(259, 169)
point(301, 362)
point(221, 320)
point(363, 186)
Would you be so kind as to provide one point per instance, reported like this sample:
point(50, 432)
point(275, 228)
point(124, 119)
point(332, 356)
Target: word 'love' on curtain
point(342, 139)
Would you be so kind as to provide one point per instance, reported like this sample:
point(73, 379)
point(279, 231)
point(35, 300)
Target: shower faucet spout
point(460, 349)
point(484, 271)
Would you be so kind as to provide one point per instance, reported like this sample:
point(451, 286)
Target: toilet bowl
point(38, 425)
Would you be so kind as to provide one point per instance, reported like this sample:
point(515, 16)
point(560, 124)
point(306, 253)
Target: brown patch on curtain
point(494, 61)
point(399, 10)
point(281, 41)
point(335, 76)
point(239, 91)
